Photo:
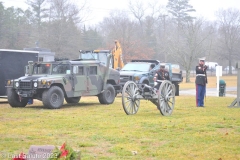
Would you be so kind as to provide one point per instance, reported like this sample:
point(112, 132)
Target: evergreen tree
point(38, 10)
point(91, 39)
point(39, 13)
point(180, 10)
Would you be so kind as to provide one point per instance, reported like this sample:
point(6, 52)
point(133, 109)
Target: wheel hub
point(54, 98)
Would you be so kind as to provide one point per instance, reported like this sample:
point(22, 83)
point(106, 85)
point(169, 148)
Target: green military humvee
point(51, 82)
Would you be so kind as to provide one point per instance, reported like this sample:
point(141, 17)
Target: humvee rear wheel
point(53, 97)
point(72, 99)
point(13, 99)
point(108, 96)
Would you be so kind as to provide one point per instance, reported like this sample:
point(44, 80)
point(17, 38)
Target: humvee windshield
point(46, 68)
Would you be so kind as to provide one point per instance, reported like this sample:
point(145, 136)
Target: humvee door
point(80, 80)
point(94, 79)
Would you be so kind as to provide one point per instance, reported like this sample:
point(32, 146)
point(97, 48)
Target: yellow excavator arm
point(117, 56)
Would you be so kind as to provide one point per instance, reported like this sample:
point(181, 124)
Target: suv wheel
point(13, 99)
point(72, 99)
point(108, 96)
point(53, 98)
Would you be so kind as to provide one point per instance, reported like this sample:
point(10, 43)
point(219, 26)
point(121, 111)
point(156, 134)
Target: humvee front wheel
point(53, 97)
point(13, 99)
point(72, 99)
point(108, 96)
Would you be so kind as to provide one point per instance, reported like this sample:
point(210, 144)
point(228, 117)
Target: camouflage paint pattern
point(72, 83)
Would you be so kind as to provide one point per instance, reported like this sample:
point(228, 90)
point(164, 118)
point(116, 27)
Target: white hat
point(202, 59)
point(162, 65)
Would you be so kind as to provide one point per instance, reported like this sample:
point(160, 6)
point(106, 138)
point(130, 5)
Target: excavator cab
point(116, 61)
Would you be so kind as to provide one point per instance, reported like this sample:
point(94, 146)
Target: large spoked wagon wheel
point(130, 101)
point(166, 98)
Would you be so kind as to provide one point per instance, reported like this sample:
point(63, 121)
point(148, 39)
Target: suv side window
point(93, 70)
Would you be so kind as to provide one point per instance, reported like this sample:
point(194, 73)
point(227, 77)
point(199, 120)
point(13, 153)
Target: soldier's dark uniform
point(161, 74)
point(201, 81)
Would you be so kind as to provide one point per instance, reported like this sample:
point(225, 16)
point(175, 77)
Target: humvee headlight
point(17, 84)
point(44, 82)
point(35, 84)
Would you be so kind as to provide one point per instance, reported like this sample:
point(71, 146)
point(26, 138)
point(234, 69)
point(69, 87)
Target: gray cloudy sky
point(101, 8)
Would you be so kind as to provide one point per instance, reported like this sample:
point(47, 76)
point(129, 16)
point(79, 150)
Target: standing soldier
point(201, 81)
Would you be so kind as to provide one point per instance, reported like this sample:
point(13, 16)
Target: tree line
point(168, 33)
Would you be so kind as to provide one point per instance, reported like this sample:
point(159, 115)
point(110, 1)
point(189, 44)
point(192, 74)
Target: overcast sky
point(101, 8)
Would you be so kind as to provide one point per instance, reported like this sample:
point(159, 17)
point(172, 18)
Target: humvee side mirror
point(26, 70)
point(30, 68)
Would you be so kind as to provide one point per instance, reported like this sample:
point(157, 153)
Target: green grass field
point(106, 132)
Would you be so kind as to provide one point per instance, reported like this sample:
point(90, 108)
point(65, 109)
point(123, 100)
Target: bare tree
point(229, 34)
point(190, 45)
point(139, 12)
point(118, 26)
point(66, 10)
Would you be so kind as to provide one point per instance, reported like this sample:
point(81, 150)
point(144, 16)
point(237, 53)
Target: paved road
point(209, 92)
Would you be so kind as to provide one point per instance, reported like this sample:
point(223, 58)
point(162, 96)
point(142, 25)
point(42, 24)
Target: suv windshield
point(142, 67)
point(57, 68)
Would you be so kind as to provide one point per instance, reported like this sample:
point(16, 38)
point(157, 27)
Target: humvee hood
point(35, 77)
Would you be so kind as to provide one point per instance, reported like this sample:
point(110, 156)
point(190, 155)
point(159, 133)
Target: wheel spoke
point(128, 100)
point(128, 91)
point(169, 107)
point(164, 107)
point(132, 107)
point(169, 92)
point(131, 89)
point(162, 103)
point(170, 102)
point(135, 107)
point(128, 106)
